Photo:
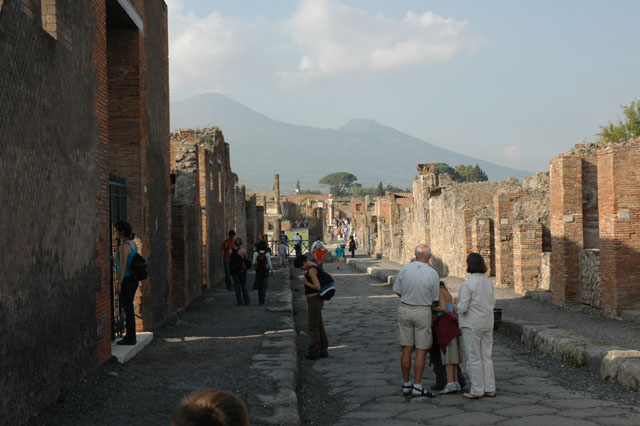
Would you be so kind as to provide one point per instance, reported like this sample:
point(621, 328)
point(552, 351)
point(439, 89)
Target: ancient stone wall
point(590, 277)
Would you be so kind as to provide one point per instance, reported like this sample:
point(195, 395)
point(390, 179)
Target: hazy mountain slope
point(261, 146)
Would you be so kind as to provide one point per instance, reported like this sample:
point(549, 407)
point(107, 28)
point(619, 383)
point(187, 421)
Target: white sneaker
point(449, 388)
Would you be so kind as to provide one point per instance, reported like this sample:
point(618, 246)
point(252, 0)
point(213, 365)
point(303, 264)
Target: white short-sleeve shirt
point(417, 284)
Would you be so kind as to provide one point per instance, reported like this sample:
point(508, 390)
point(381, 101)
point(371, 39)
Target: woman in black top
point(318, 343)
point(352, 246)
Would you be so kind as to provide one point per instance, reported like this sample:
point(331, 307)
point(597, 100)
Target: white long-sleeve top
point(476, 302)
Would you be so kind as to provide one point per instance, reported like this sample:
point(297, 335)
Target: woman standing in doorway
point(127, 285)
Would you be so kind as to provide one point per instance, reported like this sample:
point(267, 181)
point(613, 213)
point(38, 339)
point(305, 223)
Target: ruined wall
point(590, 277)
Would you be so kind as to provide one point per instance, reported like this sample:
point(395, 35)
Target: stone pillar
point(566, 227)
point(276, 194)
point(481, 239)
point(468, 217)
point(330, 210)
point(527, 251)
point(503, 226)
point(619, 208)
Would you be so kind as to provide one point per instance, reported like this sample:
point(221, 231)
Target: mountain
point(261, 147)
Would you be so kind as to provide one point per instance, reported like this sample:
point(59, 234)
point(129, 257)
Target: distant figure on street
point(352, 246)
point(238, 264)
point(284, 238)
point(297, 244)
point(211, 407)
point(282, 253)
point(319, 255)
point(126, 286)
point(417, 285)
point(342, 243)
point(339, 255)
point(262, 265)
point(475, 310)
point(316, 243)
point(227, 246)
point(318, 343)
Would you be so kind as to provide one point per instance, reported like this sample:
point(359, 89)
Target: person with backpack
point(238, 264)
point(318, 343)
point(262, 266)
point(127, 285)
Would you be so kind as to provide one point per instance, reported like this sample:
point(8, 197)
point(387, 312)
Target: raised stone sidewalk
point(611, 362)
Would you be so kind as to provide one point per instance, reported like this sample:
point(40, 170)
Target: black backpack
point(236, 262)
point(138, 267)
point(261, 262)
point(327, 285)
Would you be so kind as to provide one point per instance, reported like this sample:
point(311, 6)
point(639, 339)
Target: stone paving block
point(468, 419)
point(526, 410)
point(546, 420)
point(284, 397)
point(580, 403)
point(590, 413)
point(427, 414)
point(628, 420)
point(631, 315)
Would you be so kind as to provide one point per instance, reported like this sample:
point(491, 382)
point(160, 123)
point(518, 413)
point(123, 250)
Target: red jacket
point(447, 329)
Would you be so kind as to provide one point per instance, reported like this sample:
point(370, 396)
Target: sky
point(512, 82)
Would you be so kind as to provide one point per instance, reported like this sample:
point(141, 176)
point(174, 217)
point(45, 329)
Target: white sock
point(418, 385)
point(407, 383)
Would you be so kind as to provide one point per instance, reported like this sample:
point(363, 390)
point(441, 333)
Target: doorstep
point(124, 353)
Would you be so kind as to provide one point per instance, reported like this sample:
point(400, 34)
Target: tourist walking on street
point(238, 264)
point(211, 407)
point(319, 253)
point(262, 265)
point(127, 285)
point(339, 255)
point(352, 246)
point(447, 332)
point(284, 238)
point(417, 285)
point(318, 343)
point(475, 310)
point(227, 246)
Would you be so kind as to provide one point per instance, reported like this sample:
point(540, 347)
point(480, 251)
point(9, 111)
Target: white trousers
point(478, 345)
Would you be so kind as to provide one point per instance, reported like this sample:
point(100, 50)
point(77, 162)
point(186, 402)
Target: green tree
point(445, 168)
point(624, 129)
point(471, 174)
point(338, 182)
point(380, 190)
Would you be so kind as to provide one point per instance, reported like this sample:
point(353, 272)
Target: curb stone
point(278, 358)
point(610, 362)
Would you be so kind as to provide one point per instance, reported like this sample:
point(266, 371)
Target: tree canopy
point(626, 128)
point(338, 182)
point(462, 172)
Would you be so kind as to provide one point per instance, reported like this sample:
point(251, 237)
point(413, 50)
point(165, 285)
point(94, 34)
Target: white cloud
point(512, 154)
point(334, 37)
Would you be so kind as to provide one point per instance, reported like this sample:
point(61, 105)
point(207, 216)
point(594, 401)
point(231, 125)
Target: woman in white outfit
point(475, 310)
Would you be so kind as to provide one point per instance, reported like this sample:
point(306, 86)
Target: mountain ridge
point(370, 150)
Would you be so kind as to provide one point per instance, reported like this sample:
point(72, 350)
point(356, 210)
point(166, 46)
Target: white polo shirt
point(417, 284)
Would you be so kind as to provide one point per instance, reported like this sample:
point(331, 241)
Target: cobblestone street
point(362, 377)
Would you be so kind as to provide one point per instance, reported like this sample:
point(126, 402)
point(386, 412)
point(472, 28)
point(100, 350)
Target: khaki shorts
point(414, 326)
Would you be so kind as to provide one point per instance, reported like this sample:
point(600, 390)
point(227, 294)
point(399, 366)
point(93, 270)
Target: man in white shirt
point(418, 286)
point(297, 244)
point(318, 242)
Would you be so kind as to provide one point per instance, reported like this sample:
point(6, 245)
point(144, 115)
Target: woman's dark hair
point(262, 245)
point(211, 407)
point(299, 261)
point(442, 284)
point(124, 228)
point(238, 242)
point(475, 264)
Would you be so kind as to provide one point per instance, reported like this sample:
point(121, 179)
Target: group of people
point(469, 316)
point(237, 263)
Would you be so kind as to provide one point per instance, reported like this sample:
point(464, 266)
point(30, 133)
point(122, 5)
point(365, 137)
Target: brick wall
point(566, 227)
point(619, 208)
point(503, 227)
point(527, 250)
point(482, 241)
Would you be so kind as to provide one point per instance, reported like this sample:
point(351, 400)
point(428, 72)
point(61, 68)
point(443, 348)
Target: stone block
point(612, 361)
point(629, 374)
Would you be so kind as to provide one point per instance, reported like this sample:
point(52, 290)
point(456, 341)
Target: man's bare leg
point(418, 365)
point(405, 362)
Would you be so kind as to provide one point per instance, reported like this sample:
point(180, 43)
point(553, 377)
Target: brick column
point(527, 252)
point(566, 227)
point(619, 207)
point(468, 217)
point(481, 241)
point(503, 226)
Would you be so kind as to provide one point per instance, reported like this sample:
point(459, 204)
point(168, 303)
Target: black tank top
point(307, 289)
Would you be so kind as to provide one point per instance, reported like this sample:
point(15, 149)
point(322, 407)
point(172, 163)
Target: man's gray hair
point(422, 250)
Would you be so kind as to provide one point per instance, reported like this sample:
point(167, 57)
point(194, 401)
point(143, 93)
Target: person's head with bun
point(211, 407)
point(123, 229)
